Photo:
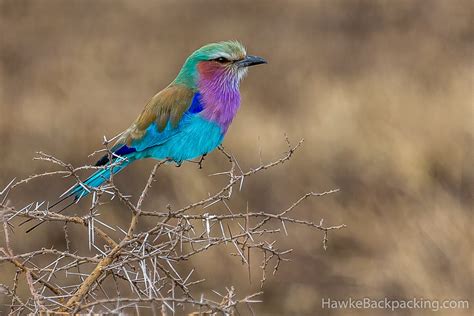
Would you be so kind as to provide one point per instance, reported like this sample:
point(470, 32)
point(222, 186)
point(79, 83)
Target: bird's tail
point(80, 190)
point(96, 179)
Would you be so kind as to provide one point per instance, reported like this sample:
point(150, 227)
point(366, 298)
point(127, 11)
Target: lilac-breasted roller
point(187, 119)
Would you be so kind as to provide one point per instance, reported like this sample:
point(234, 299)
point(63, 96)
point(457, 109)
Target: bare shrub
point(149, 263)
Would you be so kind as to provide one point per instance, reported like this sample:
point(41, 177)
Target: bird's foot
point(201, 161)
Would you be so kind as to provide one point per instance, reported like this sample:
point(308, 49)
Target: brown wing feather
point(168, 105)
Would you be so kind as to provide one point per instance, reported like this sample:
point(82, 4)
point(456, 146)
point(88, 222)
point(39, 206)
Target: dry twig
point(147, 261)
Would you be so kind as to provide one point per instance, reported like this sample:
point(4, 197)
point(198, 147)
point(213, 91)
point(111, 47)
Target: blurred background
point(381, 91)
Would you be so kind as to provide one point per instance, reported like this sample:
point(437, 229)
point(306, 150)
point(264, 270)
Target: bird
point(186, 120)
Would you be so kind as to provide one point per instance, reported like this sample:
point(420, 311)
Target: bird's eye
point(221, 59)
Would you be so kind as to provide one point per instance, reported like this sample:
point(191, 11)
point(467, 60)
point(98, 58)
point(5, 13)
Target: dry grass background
point(380, 90)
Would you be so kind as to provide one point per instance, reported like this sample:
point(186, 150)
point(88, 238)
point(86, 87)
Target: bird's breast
point(196, 136)
point(220, 99)
point(221, 110)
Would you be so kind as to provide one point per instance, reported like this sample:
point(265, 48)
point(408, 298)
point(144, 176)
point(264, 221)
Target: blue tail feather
point(94, 181)
point(98, 178)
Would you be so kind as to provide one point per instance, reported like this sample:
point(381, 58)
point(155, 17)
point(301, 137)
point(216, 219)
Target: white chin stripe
point(241, 73)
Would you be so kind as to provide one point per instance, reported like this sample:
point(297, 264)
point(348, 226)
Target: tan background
point(380, 90)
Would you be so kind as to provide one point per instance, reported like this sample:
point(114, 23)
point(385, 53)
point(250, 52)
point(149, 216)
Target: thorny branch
point(148, 261)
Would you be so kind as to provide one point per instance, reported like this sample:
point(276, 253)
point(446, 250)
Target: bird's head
point(220, 63)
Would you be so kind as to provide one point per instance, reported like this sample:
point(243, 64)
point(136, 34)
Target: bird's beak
point(250, 61)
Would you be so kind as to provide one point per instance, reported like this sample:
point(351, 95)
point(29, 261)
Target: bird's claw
point(201, 161)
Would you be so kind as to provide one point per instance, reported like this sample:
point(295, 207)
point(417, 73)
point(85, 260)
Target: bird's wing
point(158, 121)
point(167, 106)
